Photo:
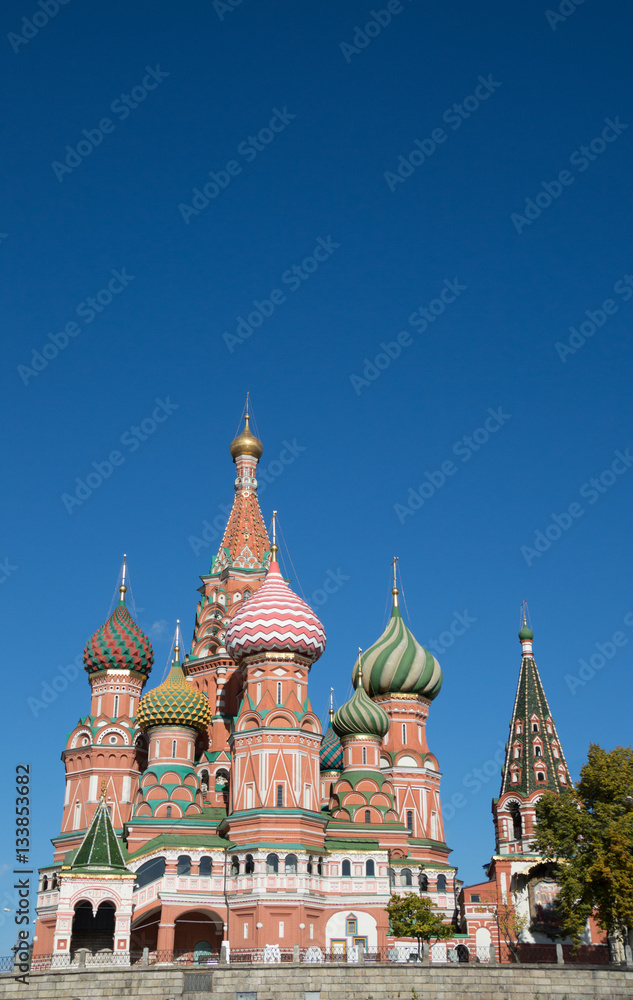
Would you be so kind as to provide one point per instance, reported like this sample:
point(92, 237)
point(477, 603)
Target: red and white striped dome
point(274, 619)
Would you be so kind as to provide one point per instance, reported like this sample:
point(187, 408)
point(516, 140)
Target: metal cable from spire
point(296, 575)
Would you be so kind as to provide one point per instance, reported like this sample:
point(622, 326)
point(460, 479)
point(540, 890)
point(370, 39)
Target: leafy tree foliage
point(591, 829)
point(413, 916)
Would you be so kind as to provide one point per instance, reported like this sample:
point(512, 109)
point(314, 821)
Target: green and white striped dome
point(360, 716)
point(398, 664)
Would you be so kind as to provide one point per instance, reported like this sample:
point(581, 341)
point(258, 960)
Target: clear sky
point(463, 172)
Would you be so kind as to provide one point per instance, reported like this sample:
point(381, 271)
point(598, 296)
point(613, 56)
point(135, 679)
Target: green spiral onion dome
point(331, 751)
point(175, 702)
point(398, 664)
point(360, 716)
point(119, 644)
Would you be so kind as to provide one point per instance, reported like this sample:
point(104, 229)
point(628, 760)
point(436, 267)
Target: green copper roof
point(360, 716)
point(522, 759)
point(174, 703)
point(397, 663)
point(100, 851)
point(526, 633)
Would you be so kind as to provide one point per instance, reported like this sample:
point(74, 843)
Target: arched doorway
point(94, 931)
point(198, 931)
point(145, 931)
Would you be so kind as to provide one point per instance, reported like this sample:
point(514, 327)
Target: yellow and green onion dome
point(175, 702)
point(119, 644)
point(360, 716)
point(397, 663)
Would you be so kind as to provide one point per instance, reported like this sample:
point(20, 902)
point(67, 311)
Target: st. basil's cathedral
point(213, 809)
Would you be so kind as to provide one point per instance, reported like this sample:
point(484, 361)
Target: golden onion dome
point(246, 443)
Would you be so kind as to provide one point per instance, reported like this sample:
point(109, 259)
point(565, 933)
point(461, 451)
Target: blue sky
point(435, 162)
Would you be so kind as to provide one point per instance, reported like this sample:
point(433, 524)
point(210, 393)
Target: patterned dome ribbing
point(175, 702)
point(331, 751)
point(360, 716)
point(398, 664)
point(274, 619)
point(119, 644)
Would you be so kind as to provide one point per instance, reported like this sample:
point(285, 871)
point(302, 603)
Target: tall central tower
point(236, 571)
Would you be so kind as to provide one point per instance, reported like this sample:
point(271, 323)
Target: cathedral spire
point(245, 544)
point(534, 755)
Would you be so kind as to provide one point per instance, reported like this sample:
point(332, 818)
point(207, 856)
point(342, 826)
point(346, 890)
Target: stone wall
point(332, 982)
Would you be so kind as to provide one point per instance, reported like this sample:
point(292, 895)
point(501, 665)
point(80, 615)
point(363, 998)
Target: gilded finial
point(395, 590)
point(177, 645)
point(331, 705)
point(246, 443)
point(123, 588)
point(104, 786)
point(360, 668)
point(274, 548)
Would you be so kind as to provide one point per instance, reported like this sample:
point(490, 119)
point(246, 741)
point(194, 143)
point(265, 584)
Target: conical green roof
point(100, 851)
point(398, 664)
point(360, 716)
point(174, 703)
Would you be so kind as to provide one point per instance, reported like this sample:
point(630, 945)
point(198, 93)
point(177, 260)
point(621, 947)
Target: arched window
point(247, 594)
point(320, 866)
point(235, 865)
point(406, 877)
point(441, 883)
point(204, 780)
point(517, 822)
point(370, 868)
point(290, 864)
point(423, 882)
point(517, 753)
point(540, 776)
point(404, 733)
point(206, 867)
point(272, 864)
point(173, 748)
point(410, 820)
point(346, 868)
point(280, 796)
point(249, 864)
point(535, 727)
point(310, 864)
point(537, 751)
point(183, 865)
point(368, 815)
point(364, 755)
point(116, 706)
point(519, 728)
point(279, 698)
point(44, 884)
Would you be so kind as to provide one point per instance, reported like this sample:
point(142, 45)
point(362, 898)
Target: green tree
point(413, 916)
point(590, 830)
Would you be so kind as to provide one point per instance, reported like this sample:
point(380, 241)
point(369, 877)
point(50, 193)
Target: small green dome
point(174, 703)
point(526, 633)
point(360, 717)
